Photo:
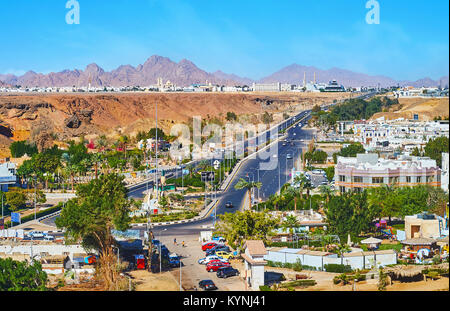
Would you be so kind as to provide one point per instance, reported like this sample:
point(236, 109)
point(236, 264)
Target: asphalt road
point(271, 179)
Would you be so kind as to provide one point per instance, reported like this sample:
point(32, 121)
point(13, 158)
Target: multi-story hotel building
point(368, 170)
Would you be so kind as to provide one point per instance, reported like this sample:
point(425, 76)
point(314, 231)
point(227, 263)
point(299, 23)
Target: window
point(393, 180)
point(419, 179)
point(357, 190)
point(408, 179)
point(358, 179)
point(341, 178)
point(377, 180)
point(342, 189)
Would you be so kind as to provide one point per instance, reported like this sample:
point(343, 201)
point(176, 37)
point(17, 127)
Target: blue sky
point(251, 38)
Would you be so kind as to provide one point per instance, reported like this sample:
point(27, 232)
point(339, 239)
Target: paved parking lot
point(193, 272)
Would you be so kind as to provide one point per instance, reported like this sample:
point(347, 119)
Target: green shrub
point(265, 288)
point(297, 266)
point(337, 268)
point(298, 283)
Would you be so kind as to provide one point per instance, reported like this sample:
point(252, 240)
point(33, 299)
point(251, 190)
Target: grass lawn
point(396, 247)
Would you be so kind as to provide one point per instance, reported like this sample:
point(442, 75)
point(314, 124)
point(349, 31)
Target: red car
point(214, 266)
point(208, 246)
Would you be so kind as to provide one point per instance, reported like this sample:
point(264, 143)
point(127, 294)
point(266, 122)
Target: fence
point(357, 260)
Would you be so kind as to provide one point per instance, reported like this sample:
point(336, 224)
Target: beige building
point(424, 226)
point(254, 263)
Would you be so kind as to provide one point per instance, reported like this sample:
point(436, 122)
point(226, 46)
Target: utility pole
point(34, 198)
point(279, 179)
point(156, 153)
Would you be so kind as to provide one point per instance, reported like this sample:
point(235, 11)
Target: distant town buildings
point(7, 175)
point(368, 170)
point(394, 135)
point(423, 92)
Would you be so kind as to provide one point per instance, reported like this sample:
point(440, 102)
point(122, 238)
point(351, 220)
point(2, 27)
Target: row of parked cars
point(39, 235)
point(217, 260)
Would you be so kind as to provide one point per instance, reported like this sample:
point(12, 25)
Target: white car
point(204, 261)
point(49, 237)
point(36, 234)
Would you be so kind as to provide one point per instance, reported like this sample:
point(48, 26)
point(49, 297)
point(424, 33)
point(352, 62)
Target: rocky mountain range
point(185, 73)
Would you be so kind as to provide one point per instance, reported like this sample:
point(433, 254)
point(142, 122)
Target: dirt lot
point(425, 107)
point(325, 282)
point(147, 281)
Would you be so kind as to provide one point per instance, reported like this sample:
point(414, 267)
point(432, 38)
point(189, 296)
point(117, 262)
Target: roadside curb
point(196, 218)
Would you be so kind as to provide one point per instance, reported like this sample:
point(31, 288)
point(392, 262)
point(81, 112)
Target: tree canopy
point(241, 226)
point(100, 206)
point(21, 276)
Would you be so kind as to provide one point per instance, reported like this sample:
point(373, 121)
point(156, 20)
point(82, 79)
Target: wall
point(37, 249)
point(257, 276)
point(364, 261)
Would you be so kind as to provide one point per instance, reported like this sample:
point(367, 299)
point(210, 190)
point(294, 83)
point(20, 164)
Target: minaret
point(314, 77)
point(304, 79)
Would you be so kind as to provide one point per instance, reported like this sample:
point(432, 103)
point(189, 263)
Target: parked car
point(207, 285)
point(224, 255)
point(289, 156)
point(219, 239)
point(217, 248)
point(206, 260)
point(229, 204)
point(214, 266)
point(208, 245)
point(226, 272)
point(36, 234)
point(48, 237)
point(174, 260)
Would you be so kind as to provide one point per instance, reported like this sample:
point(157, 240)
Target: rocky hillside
point(68, 116)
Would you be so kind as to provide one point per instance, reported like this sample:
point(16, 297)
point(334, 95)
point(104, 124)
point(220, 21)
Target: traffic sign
point(216, 164)
point(15, 217)
point(208, 176)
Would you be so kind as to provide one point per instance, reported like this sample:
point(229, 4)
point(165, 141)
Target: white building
point(368, 171)
point(254, 263)
point(445, 171)
point(267, 87)
point(7, 175)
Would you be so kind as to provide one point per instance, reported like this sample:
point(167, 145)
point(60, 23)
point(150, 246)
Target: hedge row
point(299, 283)
point(294, 266)
point(40, 214)
point(337, 268)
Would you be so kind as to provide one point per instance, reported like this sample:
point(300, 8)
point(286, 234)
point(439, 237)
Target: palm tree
point(123, 140)
point(96, 158)
point(289, 223)
point(243, 184)
point(293, 192)
point(326, 191)
point(302, 181)
point(102, 143)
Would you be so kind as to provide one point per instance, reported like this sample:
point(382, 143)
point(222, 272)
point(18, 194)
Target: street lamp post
point(279, 179)
point(160, 263)
point(34, 197)
point(181, 289)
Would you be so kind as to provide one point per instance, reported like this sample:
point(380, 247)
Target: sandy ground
point(325, 282)
point(147, 281)
point(425, 107)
